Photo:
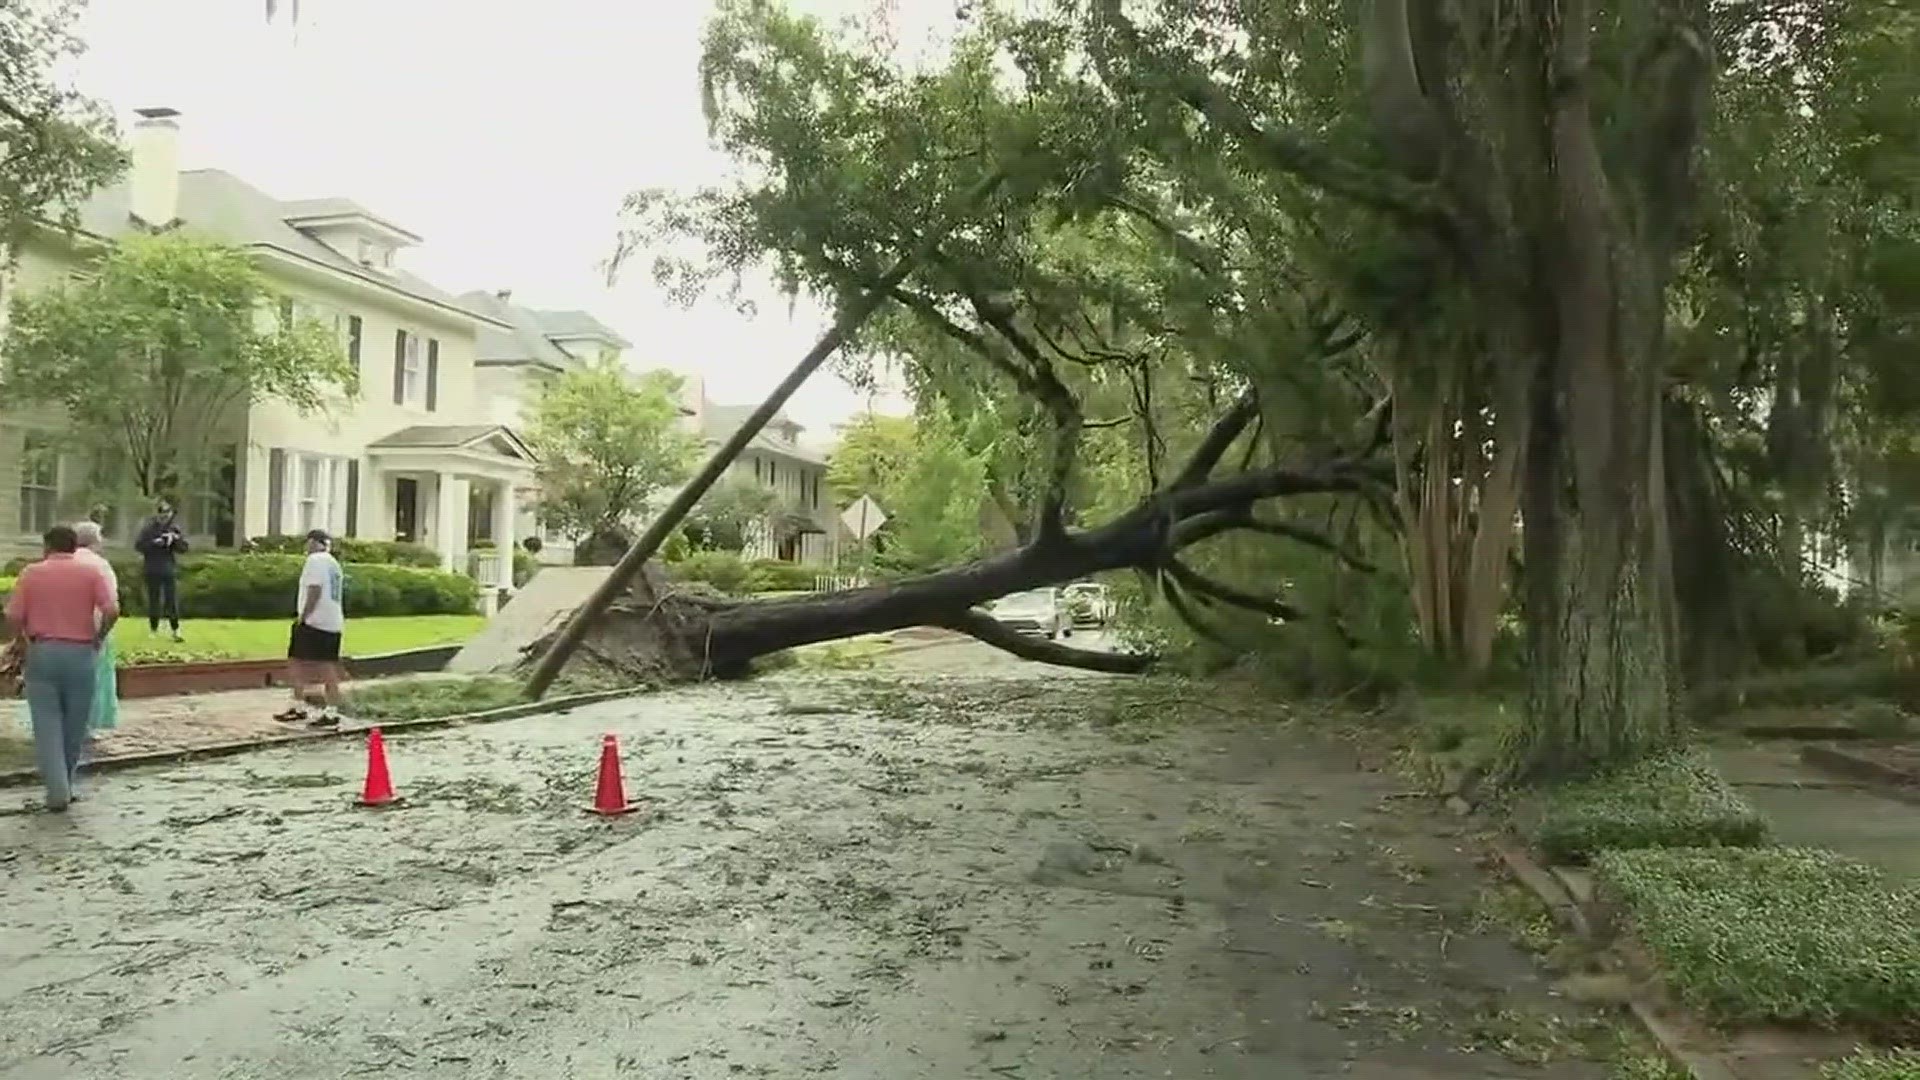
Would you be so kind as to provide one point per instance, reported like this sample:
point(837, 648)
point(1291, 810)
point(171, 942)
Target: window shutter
point(353, 340)
point(276, 489)
point(353, 495)
point(433, 373)
point(399, 367)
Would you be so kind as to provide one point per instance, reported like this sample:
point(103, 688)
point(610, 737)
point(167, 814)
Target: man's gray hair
point(88, 533)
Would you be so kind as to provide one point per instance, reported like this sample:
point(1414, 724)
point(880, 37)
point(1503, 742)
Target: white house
point(404, 461)
point(804, 525)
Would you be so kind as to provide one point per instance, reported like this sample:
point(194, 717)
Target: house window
point(315, 496)
point(411, 377)
point(39, 485)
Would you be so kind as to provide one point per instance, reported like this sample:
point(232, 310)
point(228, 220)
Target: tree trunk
point(1599, 586)
point(661, 634)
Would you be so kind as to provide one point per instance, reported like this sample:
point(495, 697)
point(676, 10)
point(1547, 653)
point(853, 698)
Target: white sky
point(505, 134)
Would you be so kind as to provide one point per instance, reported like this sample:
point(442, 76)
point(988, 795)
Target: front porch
point(452, 489)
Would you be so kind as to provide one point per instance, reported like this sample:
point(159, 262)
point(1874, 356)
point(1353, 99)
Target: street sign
point(863, 518)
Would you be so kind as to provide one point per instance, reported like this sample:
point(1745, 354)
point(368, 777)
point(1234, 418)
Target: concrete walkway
point(1808, 808)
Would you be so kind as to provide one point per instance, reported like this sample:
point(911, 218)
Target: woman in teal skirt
point(106, 680)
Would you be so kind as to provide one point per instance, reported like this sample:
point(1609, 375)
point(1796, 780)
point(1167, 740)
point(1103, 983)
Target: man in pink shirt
point(64, 608)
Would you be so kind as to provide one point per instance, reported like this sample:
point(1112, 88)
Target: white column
point(449, 497)
point(504, 516)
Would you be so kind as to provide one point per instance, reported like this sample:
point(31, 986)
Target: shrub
point(723, 570)
point(1780, 934)
point(351, 550)
point(774, 575)
point(1875, 1065)
point(1672, 800)
point(6, 585)
point(267, 587)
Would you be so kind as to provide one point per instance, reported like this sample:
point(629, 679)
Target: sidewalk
point(182, 722)
point(1809, 808)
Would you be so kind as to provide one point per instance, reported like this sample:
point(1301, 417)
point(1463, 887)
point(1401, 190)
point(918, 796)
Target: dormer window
point(375, 255)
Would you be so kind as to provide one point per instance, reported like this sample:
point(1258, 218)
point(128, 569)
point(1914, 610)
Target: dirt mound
point(656, 634)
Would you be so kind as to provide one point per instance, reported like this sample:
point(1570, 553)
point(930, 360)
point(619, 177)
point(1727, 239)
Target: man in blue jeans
point(160, 544)
point(62, 608)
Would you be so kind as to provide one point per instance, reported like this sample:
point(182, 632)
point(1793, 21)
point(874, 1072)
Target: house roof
point(338, 209)
point(449, 437)
point(719, 421)
point(224, 207)
point(521, 340)
point(578, 324)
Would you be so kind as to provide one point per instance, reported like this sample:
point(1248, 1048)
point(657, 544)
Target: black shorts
point(313, 645)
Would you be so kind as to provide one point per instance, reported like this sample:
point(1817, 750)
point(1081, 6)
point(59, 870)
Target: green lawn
point(266, 639)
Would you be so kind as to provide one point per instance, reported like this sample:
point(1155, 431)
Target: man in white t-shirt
point(313, 649)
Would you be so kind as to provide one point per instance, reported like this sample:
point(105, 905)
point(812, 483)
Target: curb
point(21, 777)
point(1568, 913)
point(1875, 779)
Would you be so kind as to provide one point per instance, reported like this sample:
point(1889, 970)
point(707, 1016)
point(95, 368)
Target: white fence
point(837, 582)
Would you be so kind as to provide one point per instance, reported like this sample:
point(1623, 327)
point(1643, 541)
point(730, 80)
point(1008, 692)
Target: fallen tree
point(658, 632)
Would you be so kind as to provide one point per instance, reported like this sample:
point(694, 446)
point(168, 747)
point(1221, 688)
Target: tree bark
point(1599, 588)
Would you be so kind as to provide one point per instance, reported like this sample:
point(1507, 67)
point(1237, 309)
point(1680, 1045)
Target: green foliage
point(61, 145)
point(1875, 1065)
point(351, 550)
point(935, 504)
point(155, 355)
point(421, 698)
point(1673, 800)
point(731, 574)
point(873, 453)
point(727, 514)
point(608, 441)
point(776, 575)
point(6, 585)
point(266, 586)
point(724, 570)
point(1781, 934)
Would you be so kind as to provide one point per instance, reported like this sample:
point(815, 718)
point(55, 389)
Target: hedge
point(730, 573)
point(223, 586)
point(1773, 934)
point(1673, 800)
point(351, 550)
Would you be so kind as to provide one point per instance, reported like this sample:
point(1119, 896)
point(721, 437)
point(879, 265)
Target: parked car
point(1036, 611)
point(1089, 603)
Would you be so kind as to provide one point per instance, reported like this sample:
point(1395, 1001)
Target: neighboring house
point(414, 458)
point(515, 359)
point(804, 523)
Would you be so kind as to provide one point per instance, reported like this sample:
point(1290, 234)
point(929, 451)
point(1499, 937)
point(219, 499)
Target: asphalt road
point(959, 865)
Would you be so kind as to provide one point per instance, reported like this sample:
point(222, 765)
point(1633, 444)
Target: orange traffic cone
point(378, 790)
point(610, 795)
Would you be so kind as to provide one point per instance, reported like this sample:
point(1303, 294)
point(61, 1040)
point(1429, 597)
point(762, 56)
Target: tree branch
point(1206, 526)
point(987, 629)
point(1050, 525)
point(1201, 585)
point(1218, 440)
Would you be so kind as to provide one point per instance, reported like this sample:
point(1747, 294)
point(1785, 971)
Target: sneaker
point(326, 720)
point(177, 636)
point(291, 716)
